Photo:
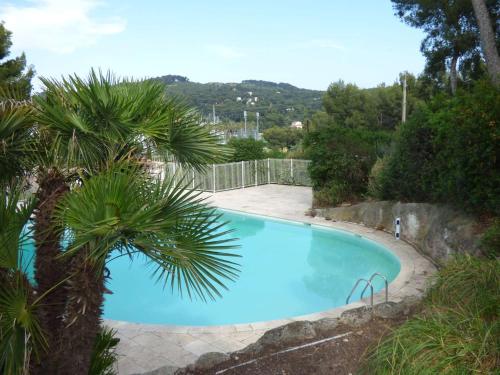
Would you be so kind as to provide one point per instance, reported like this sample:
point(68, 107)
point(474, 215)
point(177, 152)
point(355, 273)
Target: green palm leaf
point(15, 136)
point(103, 118)
point(20, 333)
point(125, 211)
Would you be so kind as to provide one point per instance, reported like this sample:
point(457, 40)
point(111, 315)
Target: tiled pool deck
point(145, 347)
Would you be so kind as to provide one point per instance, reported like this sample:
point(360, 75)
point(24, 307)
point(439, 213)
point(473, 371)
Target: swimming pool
point(287, 269)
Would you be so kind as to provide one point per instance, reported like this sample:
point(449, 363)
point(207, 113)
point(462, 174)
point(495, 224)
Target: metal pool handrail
point(368, 284)
point(386, 285)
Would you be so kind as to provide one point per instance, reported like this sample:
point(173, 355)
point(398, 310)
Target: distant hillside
point(278, 103)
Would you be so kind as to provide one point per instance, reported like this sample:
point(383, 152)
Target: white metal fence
point(219, 177)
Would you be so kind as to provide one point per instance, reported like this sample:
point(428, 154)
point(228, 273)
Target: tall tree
point(452, 38)
point(14, 75)
point(488, 42)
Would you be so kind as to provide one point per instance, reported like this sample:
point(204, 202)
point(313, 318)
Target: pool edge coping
point(413, 265)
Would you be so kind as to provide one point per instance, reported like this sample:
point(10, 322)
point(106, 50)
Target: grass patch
point(458, 331)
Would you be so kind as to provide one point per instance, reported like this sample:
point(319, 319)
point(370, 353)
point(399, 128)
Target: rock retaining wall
point(437, 231)
point(297, 333)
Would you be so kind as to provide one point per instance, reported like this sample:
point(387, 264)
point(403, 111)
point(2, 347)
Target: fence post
point(256, 173)
point(213, 173)
point(268, 171)
point(291, 168)
point(242, 173)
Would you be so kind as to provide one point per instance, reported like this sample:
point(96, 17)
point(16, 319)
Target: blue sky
point(306, 43)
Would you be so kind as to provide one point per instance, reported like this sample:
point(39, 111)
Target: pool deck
point(146, 347)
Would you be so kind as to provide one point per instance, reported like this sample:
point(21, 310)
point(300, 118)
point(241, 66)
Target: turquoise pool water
point(287, 269)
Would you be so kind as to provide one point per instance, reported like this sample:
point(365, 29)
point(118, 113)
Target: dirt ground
point(340, 356)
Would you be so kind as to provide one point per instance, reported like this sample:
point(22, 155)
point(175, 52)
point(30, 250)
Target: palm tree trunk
point(453, 75)
point(49, 270)
point(488, 42)
point(83, 316)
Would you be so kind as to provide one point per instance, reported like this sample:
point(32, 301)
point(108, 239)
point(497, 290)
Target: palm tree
point(124, 212)
point(92, 132)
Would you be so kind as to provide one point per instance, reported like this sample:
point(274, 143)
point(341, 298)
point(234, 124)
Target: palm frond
point(103, 118)
point(21, 337)
point(20, 333)
point(104, 355)
point(15, 137)
point(125, 210)
point(14, 231)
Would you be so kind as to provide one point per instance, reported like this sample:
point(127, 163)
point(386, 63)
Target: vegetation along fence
point(219, 177)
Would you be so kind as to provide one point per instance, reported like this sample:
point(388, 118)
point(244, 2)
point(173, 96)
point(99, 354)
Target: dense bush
point(282, 137)
point(449, 152)
point(456, 333)
point(341, 161)
point(408, 169)
point(246, 149)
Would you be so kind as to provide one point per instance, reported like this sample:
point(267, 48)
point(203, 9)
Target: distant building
point(250, 93)
point(297, 125)
point(238, 99)
point(256, 98)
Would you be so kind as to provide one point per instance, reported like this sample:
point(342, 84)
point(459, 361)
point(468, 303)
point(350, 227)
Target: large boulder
point(209, 360)
point(356, 317)
point(205, 362)
point(289, 334)
point(325, 326)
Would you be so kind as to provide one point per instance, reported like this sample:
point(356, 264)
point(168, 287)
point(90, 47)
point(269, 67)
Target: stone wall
point(437, 231)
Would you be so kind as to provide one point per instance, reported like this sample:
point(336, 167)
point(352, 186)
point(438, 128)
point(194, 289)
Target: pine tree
point(15, 76)
point(452, 43)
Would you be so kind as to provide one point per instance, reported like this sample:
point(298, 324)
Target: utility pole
point(245, 117)
point(213, 113)
point(403, 115)
point(257, 115)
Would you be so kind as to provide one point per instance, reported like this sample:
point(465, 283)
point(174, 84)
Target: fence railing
point(220, 177)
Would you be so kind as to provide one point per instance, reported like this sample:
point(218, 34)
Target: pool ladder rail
point(369, 284)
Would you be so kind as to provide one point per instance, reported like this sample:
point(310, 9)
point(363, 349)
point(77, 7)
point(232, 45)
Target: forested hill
point(278, 103)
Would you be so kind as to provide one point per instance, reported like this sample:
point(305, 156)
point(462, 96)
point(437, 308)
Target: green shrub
point(274, 153)
point(246, 149)
point(458, 331)
point(448, 152)
point(490, 242)
point(408, 174)
point(341, 161)
point(374, 183)
point(329, 196)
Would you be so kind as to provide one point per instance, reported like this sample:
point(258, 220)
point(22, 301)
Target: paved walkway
point(146, 347)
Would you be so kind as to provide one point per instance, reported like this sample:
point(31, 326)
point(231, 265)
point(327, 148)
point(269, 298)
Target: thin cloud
point(223, 51)
point(60, 26)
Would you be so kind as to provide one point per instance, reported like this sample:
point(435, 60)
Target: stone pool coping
point(145, 347)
